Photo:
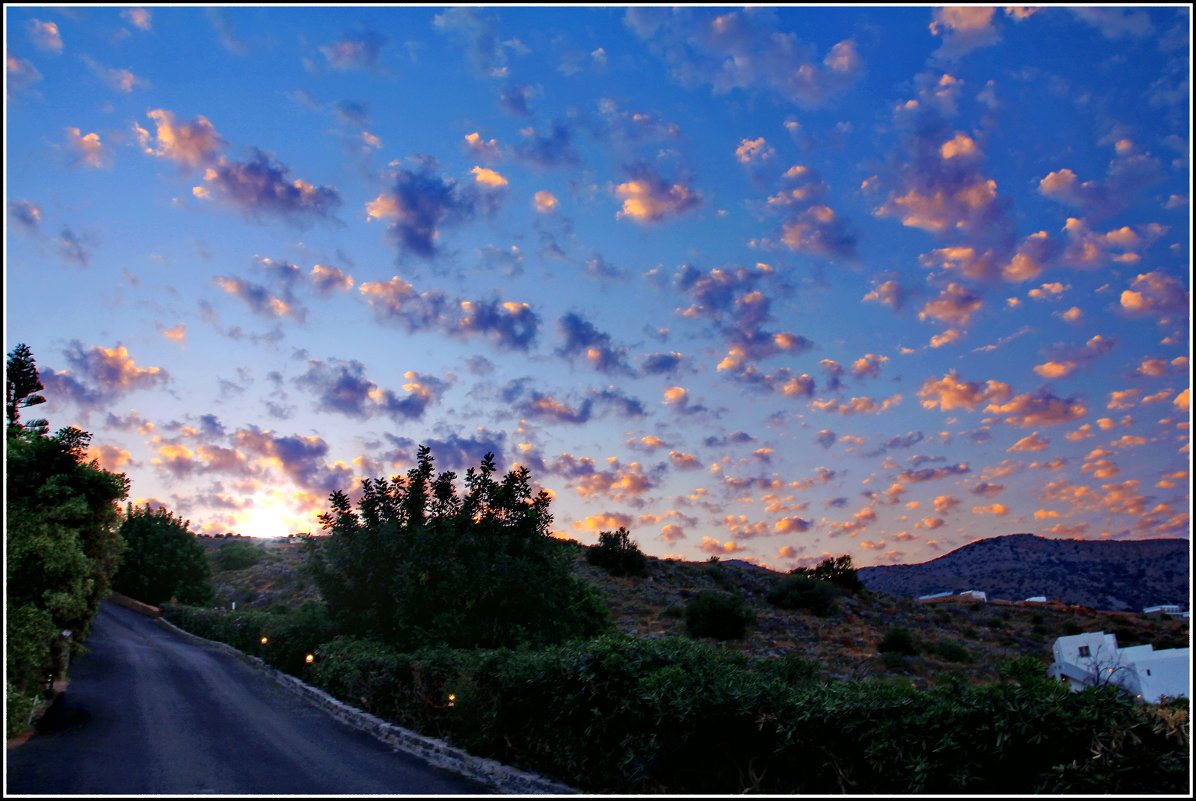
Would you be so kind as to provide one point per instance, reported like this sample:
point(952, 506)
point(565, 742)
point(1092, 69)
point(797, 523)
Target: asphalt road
point(150, 712)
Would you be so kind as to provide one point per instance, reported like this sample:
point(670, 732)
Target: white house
point(1093, 658)
point(978, 595)
point(1170, 610)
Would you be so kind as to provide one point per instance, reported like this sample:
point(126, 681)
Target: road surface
point(150, 712)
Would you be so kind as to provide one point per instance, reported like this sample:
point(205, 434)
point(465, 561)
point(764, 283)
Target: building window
point(1084, 652)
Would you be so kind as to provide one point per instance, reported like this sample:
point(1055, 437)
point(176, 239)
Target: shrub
point(951, 651)
point(838, 571)
point(899, 640)
point(419, 564)
point(618, 554)
point(163, 559)
point(239, 555)
point(721, 615)
point(797, 591)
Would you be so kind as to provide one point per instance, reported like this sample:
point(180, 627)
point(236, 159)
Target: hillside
point(1104, 574)
point(969, 640)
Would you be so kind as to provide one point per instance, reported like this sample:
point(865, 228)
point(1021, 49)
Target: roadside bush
point(618, 554)
point(899, 640)
point(621, 715)
point(721, 615)
point(797, 591)
point(163, 559)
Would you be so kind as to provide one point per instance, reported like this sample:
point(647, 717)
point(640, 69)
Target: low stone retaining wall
point(503, 778)
point(136, 606)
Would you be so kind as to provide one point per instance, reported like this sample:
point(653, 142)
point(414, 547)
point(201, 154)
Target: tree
point(163, 559)
point(21, 382)
point(722, 615)
point(799, 591)
point(419, 564)
point(61, 542)
point(618, 554)
point(838, 571)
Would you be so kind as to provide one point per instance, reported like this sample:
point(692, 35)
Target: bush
point(839, 571)
point(797, 591)
point(618, 554)
point(721, 615)
point(899, 640)
point(950, 650)
point(163, 559)
point(420, 565)
point(239, 555)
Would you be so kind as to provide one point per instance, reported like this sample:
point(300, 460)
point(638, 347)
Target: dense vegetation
point(164, 561)
point(618, 554)
point(61, 544)
point(623, 714)
point(420, 564)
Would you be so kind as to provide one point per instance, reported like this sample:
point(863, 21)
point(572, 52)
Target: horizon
point(768, 283)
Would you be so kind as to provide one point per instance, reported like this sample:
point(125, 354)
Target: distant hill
point(1116, 575)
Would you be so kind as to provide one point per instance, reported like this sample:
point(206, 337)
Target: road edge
point(504, 778)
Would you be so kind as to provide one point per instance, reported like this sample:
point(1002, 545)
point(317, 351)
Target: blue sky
point(767, 283)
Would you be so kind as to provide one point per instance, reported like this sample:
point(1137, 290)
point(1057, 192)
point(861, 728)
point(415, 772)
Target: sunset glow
point(760, 283)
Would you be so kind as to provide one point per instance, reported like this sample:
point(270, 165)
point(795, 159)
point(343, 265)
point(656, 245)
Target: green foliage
point(618, 554)
point(290, 635)
point(717, 614)
point(620, 715)
point(838, 571)
point(61, 544)
point(163, 559)
point(950, 650)
point(419, 564)
point(239, 555)
point(797, 591)
point(899, 640)
point(21, 382)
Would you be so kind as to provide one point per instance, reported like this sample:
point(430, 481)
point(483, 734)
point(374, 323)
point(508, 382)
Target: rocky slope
point(1110, 575)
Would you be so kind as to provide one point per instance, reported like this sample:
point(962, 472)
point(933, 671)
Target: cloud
point(1041, 408)
point(300, 458)
point(1028, 444)
point(552, 149)
point(790, 525)
point(826, 438)
point(193, 144)
point(342, 387)
point(583, 339)
point(488, 178)
point(263, 185)
point(45, 36)
point(1154, 293)
point(950, 392)
point(964, 29)
point(327, 279)
point(225, 32)
point(711, 545)
point(454, 452)
point(481, 32)
point(932, 473)
point(1116, 23)
point(545, 202)
point(508, 324)
point(486, 149)
point(540, 406)
point(649, 198)
point(745, 50)
point(119, 80)
point(88, 146)
point(99, 375)
point(810, 226)
point(890, 293)
point(1130, 174)
point(605, 521)
point(20, 72)
point(260, 299)
point(139, 18)
point(753, 151)
point(419, 205)
point(861, 405)
point(25, 213)
point(954, 305)
point(662, 363)
point(355, 51)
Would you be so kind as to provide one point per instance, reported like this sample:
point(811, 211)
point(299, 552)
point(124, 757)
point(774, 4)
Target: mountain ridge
point(1114, 575)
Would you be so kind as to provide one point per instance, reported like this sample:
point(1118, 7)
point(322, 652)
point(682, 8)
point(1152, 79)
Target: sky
point(768, 283)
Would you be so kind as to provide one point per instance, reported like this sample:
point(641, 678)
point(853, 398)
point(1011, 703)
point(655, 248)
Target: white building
point(977, 595)
point(1093, 659)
